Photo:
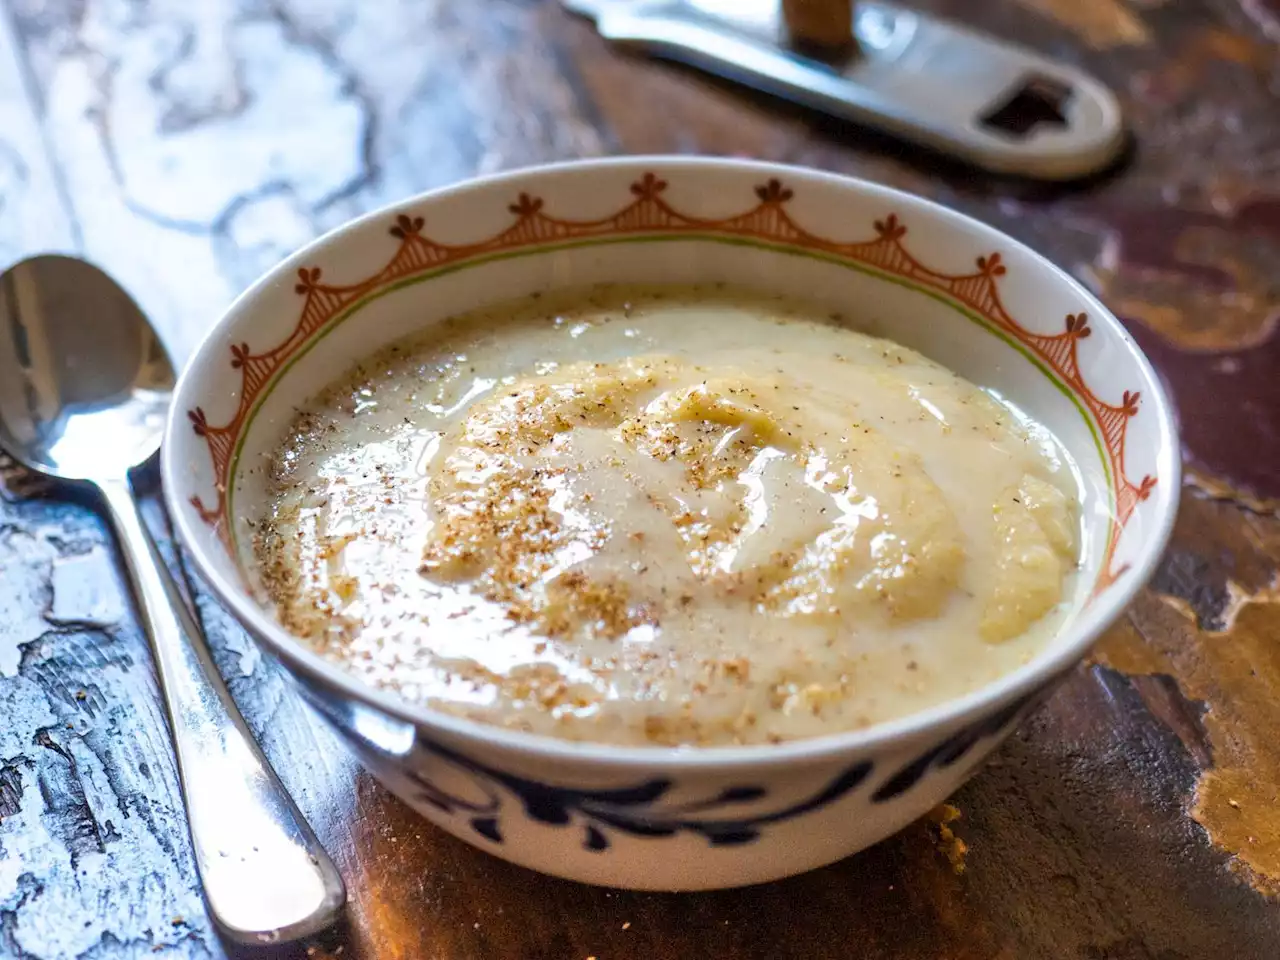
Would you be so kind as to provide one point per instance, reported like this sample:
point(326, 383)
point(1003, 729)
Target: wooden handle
point(821, 23)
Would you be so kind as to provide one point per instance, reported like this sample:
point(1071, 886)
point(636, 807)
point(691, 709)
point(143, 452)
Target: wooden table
point(186, 146)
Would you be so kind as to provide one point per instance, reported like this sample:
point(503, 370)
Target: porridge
point(667, 515)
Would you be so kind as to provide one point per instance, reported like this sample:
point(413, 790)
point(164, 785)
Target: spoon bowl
point(86, 382)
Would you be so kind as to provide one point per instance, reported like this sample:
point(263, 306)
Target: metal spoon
point(84, 388)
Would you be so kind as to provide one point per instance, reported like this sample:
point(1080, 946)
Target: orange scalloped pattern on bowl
point(649, 213)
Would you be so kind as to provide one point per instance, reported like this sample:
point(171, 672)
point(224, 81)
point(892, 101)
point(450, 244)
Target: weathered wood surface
point(186, 146)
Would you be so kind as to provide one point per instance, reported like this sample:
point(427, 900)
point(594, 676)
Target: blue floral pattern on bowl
point(638, 810)
point(644, 810)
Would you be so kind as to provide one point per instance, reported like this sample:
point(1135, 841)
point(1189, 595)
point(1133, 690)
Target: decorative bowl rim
point(1072, 643)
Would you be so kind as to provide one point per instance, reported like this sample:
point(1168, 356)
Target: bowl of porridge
point(671, 523)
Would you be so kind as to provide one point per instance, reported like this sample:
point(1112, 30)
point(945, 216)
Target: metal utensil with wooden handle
point(980, 99)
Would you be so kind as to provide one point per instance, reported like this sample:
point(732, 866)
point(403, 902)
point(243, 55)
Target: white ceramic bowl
point(659, 818)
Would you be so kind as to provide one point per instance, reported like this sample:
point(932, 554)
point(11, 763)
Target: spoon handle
point(266, 878)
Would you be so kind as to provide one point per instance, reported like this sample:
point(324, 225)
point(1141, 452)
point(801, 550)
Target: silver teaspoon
point(84, 388)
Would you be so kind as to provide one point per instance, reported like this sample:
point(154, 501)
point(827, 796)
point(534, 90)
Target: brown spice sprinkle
point(503, 534)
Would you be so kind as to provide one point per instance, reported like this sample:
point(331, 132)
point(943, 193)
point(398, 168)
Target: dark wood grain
point(188, 146)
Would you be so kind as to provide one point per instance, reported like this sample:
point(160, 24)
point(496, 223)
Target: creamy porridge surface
point(667, 515)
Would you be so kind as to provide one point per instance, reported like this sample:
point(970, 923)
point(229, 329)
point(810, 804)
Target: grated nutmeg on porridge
point(667, 515)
